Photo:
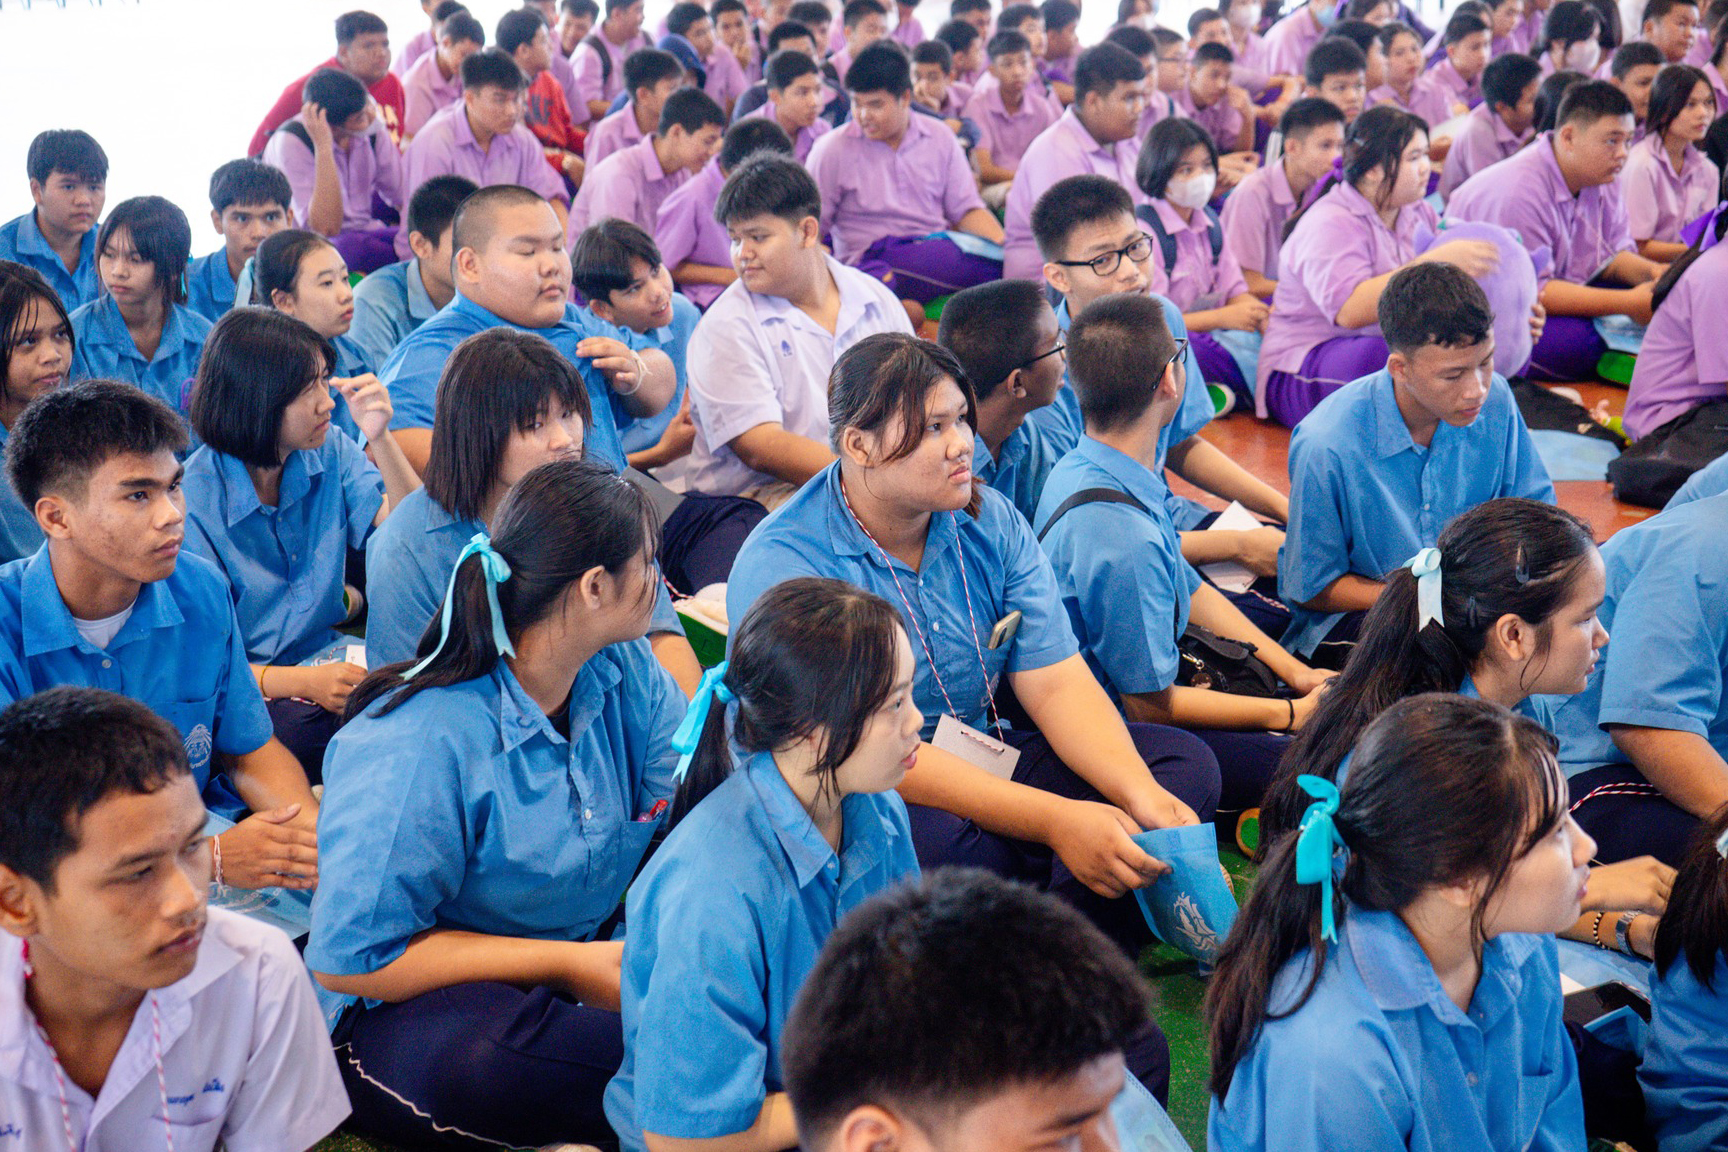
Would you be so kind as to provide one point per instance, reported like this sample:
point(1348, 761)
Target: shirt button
point(107, 663)
point(1471, 1079)
point(587, 813)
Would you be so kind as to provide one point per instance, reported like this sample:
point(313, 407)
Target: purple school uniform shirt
point(630, 185)
point(565, 73)
point(842, 63)
point(446, 146)
point(1527, 194)
point(593, 80)
point(615, 132)
point(1007, 134)
point(806, 138)
point(1336, 245)
point(1457, 89)
point(1428, 99)
point(369, 164)
point(418, 45)
point(1062, 150)
point(426, 91)
point(726, 80)
point(686, 230)
point(870, 191)
point(1197, 282)
point(1484, 140)
point(1251, 54)
point(1254, 217)
point(1221, 121)
point(1288, 42)
point(1660, 201)
point(1684, 361)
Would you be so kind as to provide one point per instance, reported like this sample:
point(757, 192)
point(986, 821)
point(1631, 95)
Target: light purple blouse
point(630, 185)
point(870, 190)
point(1684, 361)
point(687, 231)
point(1254, 217)
point(1485, 139)
point(806, 138)
point(1062, 150)
point(1659, 201)
point(1198, 282)
point(593, 81)
point(1289, 41)
point(426, 90)
point(446, 146)
point(370, 164)
point(1006, 134)
point(1222, 122)
point(615, 132)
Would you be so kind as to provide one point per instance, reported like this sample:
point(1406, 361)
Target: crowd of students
point(338, 573)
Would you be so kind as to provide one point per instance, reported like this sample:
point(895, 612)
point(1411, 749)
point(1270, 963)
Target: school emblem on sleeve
point(198, 746)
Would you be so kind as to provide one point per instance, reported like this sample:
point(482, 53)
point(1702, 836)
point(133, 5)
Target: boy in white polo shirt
point(132, 1016)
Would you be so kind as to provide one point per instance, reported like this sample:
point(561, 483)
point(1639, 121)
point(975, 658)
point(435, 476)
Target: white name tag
point(975, 747)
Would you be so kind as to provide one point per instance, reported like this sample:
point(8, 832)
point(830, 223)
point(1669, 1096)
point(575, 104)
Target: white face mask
point(1193, 192)
point(1584, 56)
point(1245, 16)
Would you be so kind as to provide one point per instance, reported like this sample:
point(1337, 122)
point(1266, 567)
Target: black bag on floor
point(1652, 469)
point(1547, 411)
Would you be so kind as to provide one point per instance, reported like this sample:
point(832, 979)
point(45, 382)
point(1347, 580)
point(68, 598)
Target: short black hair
point(339, 94)
point(1060, 14)
point(65, 435)
point(160, 234)
point(1007, 44)
point(789, 30)
point(1013, 16)
point(958, 35)
point(647, 67)
point(1309, 113)
point(256, 362)
point(1100, 68)
point(683, 16)
point(432, 208)
point(1389, 33)
point(1463, 25)
point(447, 9)
point(787, 66)
point(600, 259)
point(1659, 9)
point(692, 110)
point(1632, 54)
point(1161, 153)
point(1213, 54)
point(768, 185)
point(580, 8)
point(64, 751)
point(1358, 32)
point(70, 150)
point(492, 68)
point(1586, 103)
point(937, 53)
point(813, 14)
point(856, 11)
point(1072, 202)
point(1114, 347)
point(1507, 75)
point(992, 329)
point(749, 136)
point(350, 26)
point(882, 67)
point(720, 7)
point(515, 28)
point(957, 7)
point(940, 994)
point(460, 26)
point(1134, 40)
point(247, 182)
point(1200, 18)
point(1434, 303)
point(476, 216)
point(1332, 56)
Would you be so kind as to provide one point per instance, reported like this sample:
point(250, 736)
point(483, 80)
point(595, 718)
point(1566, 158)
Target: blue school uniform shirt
point(285, 563)
point(351, 360)
point(1684, 1073)
point(638, 433)
point(1020, 468)
point(1365, 498)
point(1667, 611)
point(1537, 708)
point(1124, 582)
point(21, 240)
point(994, 555)
point(1710, 480)
point(180, 653)
point(19, 533)
point(210, 290)
point(103, 348)
point(413, 370)
point(725, 923)
point(388, 305)
point(466, 808)
point(1380, 1057)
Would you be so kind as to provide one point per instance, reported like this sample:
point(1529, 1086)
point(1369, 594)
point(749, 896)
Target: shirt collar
point(520, 718)
point(1173, 222)
point(420, 306)
point(1084, 136)
point(108, 329)
point(31, 240)
point(1134, 477)
point(1391, 434)
point(848, 538)
point(462, 132)
point(296, 481)
point(1549, 164)
point(1400, 977)
point(1282, 194)
point(48, 625)
point(801, 841)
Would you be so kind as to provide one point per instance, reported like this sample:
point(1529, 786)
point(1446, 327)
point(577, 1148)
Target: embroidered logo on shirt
point(215, 1085)
point(785, 348)
point(198, 745)
point(11, 1130)
point(186, 1099)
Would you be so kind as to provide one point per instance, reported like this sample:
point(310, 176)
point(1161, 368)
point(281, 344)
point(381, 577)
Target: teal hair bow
point(1425, 566)
point(496, 570)
point(1722, 844)
point(1316, 843)
point(689, 734)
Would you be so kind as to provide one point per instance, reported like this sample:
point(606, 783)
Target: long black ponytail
point(1695, 925)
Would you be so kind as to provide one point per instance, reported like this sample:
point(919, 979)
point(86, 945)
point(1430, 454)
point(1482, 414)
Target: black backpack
point(1653, 468)
point(1167, 243)
point(593, 41)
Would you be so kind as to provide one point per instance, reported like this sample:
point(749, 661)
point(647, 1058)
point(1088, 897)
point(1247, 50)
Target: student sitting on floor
point(341, 165)
point(249, 202)
point(1006, 338)
point(598, 61)
point(899, 515)
point(489, 806)
point(1633, 71)
point(109, 602)
point(1683, 363)
point(1255, 213)
point(1406, 86)
point(276, 497)
point(35, 357)
point(1337, 70)
point(1191, 265)
point(790, 776)
point(1562, 193)
point(1009, 113)
point(523, 36)
point(363, 53)
point(1338, 255)
point(1458, 77)
point(1570, 39)
point(760, 359)
point(1104, 522)
point(935, 64)
point(1437, 967)
point(894, 181)
point(1644, 743)
point(632, 184)
point(650, 76)
point(398, 298)
point(153, 1018)
point(1683, 1067)
point(435, 80)
point(302, 275)
point(1385, 462)
point(140, 330)
point(693, 242)
point(794, 100)
point(1498, 126)
point(1220, 107)
point(68, 181)
point(1667, 182)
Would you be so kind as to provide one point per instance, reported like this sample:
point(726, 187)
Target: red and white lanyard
point(60, 1072)
point(912, 616)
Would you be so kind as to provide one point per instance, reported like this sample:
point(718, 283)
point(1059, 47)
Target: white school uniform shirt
point(245, 1056)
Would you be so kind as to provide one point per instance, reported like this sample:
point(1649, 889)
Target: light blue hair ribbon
point(1722, 844)
point(496, 570)
point(1425, 566)
point(689, 734)
point(1316, 842)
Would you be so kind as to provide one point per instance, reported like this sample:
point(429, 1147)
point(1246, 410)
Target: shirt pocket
point(196, 722)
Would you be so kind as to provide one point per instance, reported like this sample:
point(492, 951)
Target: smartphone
point(1005, 630)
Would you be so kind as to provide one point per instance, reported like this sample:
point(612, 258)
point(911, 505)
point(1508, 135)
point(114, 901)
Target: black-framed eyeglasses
point(1180, 357)
point(1139, 251)
point(1061, 350)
